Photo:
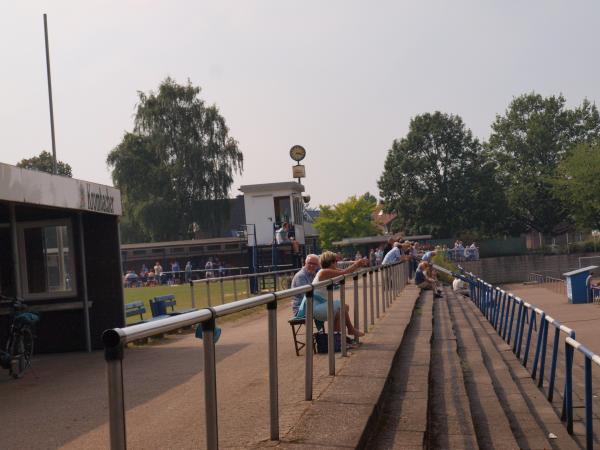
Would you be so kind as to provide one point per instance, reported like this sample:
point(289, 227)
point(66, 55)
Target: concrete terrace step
point(450, 423)
point(403, 420)
point(533, 416)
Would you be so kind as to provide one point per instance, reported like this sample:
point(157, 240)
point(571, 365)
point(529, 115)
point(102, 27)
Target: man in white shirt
point(281, 235)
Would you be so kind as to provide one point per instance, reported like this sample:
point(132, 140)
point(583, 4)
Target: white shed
point(268, 205)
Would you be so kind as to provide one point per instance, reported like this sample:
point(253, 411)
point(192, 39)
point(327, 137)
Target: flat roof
point(378, 239)
point(583, 269)
point(272, 187)
point(208, 241)
point(44, 189)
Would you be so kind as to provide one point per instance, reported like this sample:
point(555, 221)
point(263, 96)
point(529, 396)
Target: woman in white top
point(329, 270)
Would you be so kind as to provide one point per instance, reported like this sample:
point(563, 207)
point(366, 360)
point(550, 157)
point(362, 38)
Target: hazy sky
point(341, 78)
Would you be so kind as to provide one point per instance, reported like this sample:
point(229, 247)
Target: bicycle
point(16, 358)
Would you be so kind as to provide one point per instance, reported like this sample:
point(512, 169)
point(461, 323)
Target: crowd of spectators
point(157, 275)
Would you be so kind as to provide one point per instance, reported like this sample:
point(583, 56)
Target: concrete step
point(450, 423)
point(403, 418)
point(492, 427)
point(532, 415)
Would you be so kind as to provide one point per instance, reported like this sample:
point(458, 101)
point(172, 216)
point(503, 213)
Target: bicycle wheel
point(21, 350)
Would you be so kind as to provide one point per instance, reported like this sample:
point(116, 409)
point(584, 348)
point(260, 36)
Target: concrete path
point(65, 404)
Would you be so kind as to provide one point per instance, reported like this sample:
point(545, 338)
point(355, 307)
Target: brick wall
point(510, 269)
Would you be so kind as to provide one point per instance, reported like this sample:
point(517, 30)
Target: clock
point(297, 153)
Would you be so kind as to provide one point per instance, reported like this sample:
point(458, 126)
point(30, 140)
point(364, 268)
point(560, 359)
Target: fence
point(500, 308)
point(270, 281)
point(380, 286)
point(557, 285)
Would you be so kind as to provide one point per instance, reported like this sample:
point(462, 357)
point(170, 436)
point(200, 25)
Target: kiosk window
point(47, 260)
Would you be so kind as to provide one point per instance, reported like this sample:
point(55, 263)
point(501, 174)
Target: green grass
point(183, 296)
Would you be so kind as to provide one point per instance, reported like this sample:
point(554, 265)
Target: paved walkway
point(65, 406)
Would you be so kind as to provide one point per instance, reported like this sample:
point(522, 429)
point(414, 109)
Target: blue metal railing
point(515, 320)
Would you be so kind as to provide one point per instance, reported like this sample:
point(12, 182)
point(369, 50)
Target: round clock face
point(297, 153)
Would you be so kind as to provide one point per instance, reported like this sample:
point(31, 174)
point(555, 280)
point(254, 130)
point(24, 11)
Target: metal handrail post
point(519, 336)
point(589, 430)
point(235, 290)
point(377, 292)
point(208, 292)
point(113, 354)
point(372, 299)
point(553, 364)
point(308, 366)
point(192, 293)
point(365, 304)
point(248, 287)
point(210, 385)
point(356, 307)
point(273, 376)
point(543, 356)
point(343, 316)
point(538, 347)
point(384, 286)
point(512, 318)
point(568, 398)
point(330, 331)
point(222, 291)
point(532, 323)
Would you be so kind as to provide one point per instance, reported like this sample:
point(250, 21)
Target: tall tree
point(528, 142)
point(178, 159)
point(350, 218)
point(439, 181)
point(578, 184)
point(44, 163)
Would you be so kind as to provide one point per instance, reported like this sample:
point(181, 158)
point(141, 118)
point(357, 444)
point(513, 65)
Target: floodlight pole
point(54, 166)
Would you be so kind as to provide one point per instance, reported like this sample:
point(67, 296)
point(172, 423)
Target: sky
point(341, 78)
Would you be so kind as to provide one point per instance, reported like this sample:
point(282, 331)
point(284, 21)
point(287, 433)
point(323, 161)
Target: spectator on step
point(425, 281)
point(303, 277)
point(378, 256)
point(393, 256)
point(328, 262)
point(460, 287)
point(428, 256)
point(388, 246)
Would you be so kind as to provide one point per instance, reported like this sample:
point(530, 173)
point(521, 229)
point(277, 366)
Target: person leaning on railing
point(329, 270)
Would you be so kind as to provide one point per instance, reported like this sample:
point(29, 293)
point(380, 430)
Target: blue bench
point(135, 308)
point(159, 305)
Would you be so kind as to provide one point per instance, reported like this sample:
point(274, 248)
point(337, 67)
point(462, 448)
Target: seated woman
point(328, 261)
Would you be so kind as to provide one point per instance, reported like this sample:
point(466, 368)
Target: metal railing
point(557, 285)
point(270, 282)
point(393, 279)
point(515, 320)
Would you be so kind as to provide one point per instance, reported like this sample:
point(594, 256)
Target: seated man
point(304, 277)
point(425, 281)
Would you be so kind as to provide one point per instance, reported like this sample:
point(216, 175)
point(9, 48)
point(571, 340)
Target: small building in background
point(60, 253)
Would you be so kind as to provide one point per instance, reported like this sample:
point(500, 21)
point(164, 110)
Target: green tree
point(351, 218)
point(439, 181)
point(44, 163)
point(528, 142)
point(176, 167)
point(578, 184)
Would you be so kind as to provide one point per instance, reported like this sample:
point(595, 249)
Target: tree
point(44, 163)
point(439, 181)
point(578, 184)
point(528, 142)
point(351, 218)
point(175, 167)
